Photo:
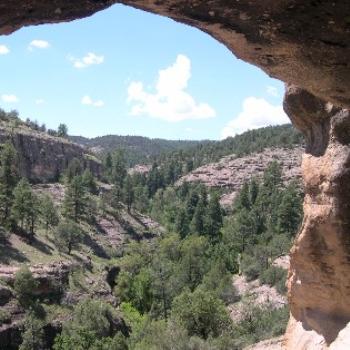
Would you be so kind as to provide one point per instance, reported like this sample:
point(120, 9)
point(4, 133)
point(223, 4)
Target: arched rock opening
point(304, 43)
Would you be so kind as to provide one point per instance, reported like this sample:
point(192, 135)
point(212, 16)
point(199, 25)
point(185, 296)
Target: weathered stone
point(319, 283)
point(43, 158)
point(231, 172)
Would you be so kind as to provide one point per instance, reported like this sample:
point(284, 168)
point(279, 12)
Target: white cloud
point(38, 44)
point(9, 98)
point(256, 113)
point(39, 101)
point(87, 100)
point(170, 101)
point(4, 50)
point(86, 61)
point(272, 91)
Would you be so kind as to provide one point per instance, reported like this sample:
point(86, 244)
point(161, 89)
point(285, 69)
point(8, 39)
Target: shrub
point(274, 276)
point(67, 236)
point(260, 323)
point(201, 313)
point(5, 317)
point(25, 286)
point(33, 335)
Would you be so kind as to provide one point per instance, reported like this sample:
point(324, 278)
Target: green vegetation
point(25, 286)
point(171, 291)
point(33, 335)
point(67, 236)
point(90, 329)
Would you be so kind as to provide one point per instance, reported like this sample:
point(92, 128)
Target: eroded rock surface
point(231, 172)
point(43, 158)
point(319, 283)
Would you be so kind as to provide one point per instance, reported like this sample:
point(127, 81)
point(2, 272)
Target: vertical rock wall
point(319, 277)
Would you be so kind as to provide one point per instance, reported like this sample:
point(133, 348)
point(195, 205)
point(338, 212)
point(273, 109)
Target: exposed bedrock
point(319, 277)
point(301, 42)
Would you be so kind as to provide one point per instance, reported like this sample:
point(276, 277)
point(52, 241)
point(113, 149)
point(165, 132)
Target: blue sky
point(124, 71)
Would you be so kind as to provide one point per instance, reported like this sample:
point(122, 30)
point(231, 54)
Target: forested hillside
point(137, 149)
point(139, 261)
point(143, 150)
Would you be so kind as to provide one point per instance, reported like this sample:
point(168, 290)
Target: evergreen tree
point(128, 193)
point(48, 211)
point(193, 261)
point(116, 197)
point(289, 212)
point(191, 203)
point(198, 220)
point(141, 198)
point(25, 286)
point(214, 220)
point(89, 181)
point(74, 202)
point(33, 335)
point(8, 180)
point(67, 236)
point(253, 191)
point(108, 165)
point(25, 208)
point(62, 130)
point(182, 223)
point(155, 180)
point(74, 168)
point(119, 170)
point(243, 199)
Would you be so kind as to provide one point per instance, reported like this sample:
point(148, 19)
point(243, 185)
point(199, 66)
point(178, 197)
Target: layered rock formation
point(301, 42)
point(231, 172)
point(43, 158)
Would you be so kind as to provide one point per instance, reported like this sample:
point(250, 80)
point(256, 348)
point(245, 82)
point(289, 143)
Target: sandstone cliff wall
point(43, 158)
point(319, 277)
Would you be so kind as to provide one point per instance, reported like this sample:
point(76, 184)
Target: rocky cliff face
point(43, 158)
point(301, 42)
point(319, 283)
point(231, 172)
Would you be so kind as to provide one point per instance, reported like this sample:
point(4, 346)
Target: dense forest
point(170, 290)
point(139, 149)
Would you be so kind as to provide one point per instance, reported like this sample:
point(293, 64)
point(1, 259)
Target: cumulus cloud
point(38, 44)
point(170, 101)
point(4, 50)
point(88, 101)
point(9, 98)
point(88, 60)
point(256, 113)
point(272, 91)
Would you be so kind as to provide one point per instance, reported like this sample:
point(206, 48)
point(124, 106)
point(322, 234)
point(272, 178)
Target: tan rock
point(319, 282)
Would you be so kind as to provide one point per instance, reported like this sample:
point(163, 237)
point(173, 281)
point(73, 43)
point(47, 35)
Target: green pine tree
point(8, 180)
point(128, 192)
point(25, 208)
point(74, 202)
point(48, 211)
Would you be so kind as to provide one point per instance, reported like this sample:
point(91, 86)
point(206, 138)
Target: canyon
point(305, 44)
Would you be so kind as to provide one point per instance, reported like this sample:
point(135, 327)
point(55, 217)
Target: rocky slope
point(231, 172)
point(64, 280)
point(43, 158)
